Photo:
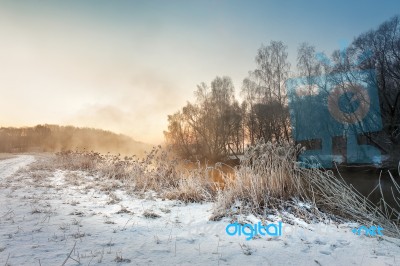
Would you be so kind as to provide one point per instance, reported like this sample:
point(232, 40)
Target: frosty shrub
point(158, 171)
point(269, 178)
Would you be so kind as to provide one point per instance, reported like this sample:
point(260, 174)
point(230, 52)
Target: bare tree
point(265, 94)
point(212, 127)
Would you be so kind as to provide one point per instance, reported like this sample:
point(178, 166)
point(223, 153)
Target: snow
point(10, 166)
point(43, 218)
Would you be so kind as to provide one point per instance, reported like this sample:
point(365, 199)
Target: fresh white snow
point(44, 218)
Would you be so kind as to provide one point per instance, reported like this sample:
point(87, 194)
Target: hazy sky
point(125, 65)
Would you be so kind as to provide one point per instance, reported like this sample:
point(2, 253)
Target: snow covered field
point(52, 218)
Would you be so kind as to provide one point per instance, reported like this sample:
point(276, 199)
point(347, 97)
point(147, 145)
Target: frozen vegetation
point(52, 215)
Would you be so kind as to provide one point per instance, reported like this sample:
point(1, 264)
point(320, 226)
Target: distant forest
point(54, 138)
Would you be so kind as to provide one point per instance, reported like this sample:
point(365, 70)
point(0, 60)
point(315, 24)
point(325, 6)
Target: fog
point(46, 78)
point(126, 67)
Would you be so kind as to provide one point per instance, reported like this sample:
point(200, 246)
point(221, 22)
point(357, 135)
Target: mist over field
point(125, 67)
point(53, 138)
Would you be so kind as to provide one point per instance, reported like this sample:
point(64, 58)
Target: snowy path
point(10, 166)
point(43, 215)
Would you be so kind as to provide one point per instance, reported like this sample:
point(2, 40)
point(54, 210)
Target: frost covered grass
point(158, 172)
point(267, 180)
point(54, 216)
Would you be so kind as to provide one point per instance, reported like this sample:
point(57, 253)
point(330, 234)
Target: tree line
point(54, 138)
point(217, 125)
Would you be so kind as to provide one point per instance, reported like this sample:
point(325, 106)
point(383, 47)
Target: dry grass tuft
point(266, 172)
point(149, 214)
point(158, 172)
point(269, 178)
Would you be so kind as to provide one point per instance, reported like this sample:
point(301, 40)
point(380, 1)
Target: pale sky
point(125, 65)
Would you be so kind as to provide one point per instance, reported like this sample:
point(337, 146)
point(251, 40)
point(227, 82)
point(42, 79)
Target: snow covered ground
point(48, 218)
